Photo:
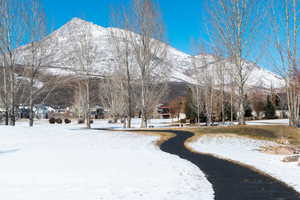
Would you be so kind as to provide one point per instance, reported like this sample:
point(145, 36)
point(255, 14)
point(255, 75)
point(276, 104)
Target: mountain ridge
point(181, 62)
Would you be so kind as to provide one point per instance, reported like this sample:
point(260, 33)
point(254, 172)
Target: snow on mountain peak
point(181, 62)
point(77, 20)
point(80, 22)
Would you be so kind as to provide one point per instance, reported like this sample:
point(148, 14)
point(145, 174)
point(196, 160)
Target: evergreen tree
point(248, 108)
point(270, 109)
point(227, 112)
point(190, 110)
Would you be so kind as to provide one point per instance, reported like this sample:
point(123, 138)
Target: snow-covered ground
point(135, 123)
point(246, 151)
point(257, 122)
point(66, 162)
point(269, 122)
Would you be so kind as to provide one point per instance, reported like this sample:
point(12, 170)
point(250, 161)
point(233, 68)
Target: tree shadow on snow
point(9, 151)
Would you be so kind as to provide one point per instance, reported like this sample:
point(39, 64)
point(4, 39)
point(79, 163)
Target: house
point(98, 112)
point(164, 111)
point(42, 111)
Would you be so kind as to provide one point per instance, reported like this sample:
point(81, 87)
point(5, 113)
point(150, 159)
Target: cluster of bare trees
point(137, 76)
point(236, 34)
point(211, 89)
point(236, 25)
point(12, 35)
point(23, 56)
point(134, 83)
point(140, 68)
point(285, 31)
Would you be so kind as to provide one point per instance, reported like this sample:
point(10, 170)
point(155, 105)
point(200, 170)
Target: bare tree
point(112, 93)
point(82, 58)
point(221, 76)
point(149, 53)
point(37, 50)
point(257, 99)
point(285, 32)
point(12, 36)
point(204, 89)
point(197, 87)
point(209, 88)
point(235, 26)
point(123, 59)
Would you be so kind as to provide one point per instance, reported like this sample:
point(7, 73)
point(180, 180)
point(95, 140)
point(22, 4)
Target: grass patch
point(268, 132)
point(164, 136)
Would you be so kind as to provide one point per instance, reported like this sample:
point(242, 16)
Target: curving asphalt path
point(230, 181)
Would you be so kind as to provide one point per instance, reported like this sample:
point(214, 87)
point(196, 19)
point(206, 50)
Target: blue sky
point(182, 18)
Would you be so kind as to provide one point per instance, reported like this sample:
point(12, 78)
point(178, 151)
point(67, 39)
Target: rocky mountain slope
point(181, 63)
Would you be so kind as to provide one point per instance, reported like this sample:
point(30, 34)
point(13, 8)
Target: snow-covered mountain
point(181, 63)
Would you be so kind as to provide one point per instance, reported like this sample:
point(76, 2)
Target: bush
point(182, 121)
point(80, 121)
point(192, 121)
point(52, 120)
point(58, 121)
point(67, 121)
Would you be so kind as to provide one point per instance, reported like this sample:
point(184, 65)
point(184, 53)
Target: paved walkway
point(230, 181)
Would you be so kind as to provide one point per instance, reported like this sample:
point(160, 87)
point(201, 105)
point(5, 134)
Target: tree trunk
point(88, 115)
point(31, 104)
point(129, 98)
point(12, 101)
point(124, 122)
point(241, 106)
point(6, 117)
point(222, 104)
point(144, 118)
point(6, 94)
point(231, 105)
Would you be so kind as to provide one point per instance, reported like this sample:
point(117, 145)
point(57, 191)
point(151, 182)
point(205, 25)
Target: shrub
point(52, 120)
point(182, 121)
point(80, 121)
point(58, 120)
point(67, 121)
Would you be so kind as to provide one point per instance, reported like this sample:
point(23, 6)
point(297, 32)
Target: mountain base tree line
point(136, 80)
point(268, 105)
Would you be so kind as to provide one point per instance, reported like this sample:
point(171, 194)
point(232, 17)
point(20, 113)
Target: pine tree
point(248, 108)
point(190, 110)
point(270, 109)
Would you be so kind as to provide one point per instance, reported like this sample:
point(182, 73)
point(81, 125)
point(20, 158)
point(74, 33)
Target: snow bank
point(65, 162)
point(245, 151)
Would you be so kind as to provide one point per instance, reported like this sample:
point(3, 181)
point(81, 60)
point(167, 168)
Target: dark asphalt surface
point(230, 181)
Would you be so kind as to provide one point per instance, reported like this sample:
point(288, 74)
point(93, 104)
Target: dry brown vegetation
point(270, 132)
point(257, 132)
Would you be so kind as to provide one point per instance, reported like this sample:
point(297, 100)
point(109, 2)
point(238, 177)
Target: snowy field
point(66, 162)
point(269, 122)
point(245, 151)
point(135, 123)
